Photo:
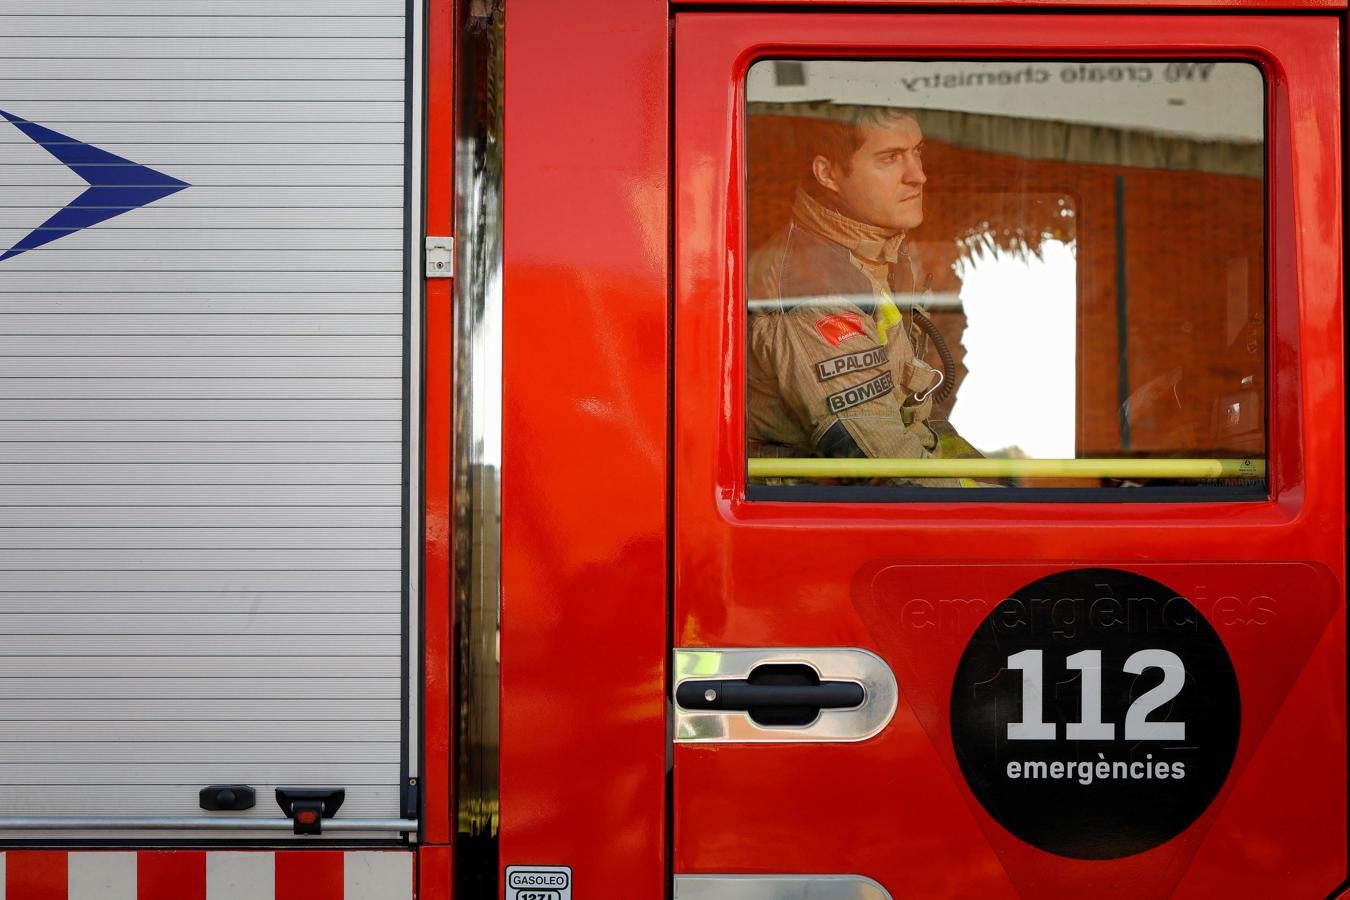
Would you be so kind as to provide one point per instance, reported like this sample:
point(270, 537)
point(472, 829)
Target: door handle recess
point(772, 695)
point(850, 694)
point(743, 695)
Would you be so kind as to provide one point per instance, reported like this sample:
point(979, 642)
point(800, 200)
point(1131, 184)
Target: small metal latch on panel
point(440, 257)
point(308, 807)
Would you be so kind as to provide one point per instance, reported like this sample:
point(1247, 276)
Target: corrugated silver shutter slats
point(220, 25)
point(208, 46)
point(213, 8)
point(331, 90)
point(189, 646)
point(201, 408)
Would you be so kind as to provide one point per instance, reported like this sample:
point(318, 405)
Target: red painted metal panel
point(435, 869)
point(437, 427)
point(172, 875)
point(310, 874)
point(1238, 851)
point(780, 574)
point(35, 875)
point(583, 642)
point(1044, 5)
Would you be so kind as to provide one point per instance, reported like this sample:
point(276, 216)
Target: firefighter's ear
point(823, 170)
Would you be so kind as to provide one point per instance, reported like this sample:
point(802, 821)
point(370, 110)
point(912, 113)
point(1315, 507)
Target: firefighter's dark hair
point(837, 139)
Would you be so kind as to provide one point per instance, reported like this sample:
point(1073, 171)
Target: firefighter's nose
point(914, 174)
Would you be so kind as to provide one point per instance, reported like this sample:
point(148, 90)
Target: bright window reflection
point(1035, 338)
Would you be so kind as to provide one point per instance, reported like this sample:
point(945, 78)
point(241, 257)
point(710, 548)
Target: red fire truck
point(756, 450)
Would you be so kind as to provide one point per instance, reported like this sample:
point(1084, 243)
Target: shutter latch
point(308, 807)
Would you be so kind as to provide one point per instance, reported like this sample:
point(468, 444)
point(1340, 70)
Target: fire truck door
point(916, 657)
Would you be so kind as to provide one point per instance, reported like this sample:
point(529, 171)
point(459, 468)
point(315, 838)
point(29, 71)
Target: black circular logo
point(1095, 713)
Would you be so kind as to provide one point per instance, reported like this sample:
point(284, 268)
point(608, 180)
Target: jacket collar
point(867, 242)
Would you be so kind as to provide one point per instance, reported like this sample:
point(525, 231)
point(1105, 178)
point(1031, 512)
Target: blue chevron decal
point(116, 185)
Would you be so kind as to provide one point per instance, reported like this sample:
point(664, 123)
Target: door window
point(1005, 274)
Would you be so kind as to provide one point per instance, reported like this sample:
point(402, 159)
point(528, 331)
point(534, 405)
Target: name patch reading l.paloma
point(851, 362)
point(859, 394)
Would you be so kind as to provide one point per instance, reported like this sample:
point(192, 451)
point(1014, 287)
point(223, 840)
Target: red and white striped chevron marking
point(206, 875)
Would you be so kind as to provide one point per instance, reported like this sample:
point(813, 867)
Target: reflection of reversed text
point(1074, 73)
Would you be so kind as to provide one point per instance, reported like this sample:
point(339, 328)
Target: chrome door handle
point(744, 695)
point(772, 694)
point(780, 694)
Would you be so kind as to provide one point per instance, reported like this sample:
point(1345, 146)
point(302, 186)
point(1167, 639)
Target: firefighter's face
point(883, 183)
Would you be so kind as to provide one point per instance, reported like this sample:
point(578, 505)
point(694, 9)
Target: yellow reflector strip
point(890, 316)
point(1006, 468)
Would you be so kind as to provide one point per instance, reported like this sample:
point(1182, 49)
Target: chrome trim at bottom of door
point(880, 694)
point(778, 887)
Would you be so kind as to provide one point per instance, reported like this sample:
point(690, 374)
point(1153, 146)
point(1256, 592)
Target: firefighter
point(833, 367)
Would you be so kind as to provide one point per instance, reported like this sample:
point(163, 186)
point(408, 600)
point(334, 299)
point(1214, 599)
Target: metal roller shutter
point(203, 428)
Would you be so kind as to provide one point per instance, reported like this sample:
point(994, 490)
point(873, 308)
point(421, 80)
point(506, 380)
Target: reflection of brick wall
point(1193, 263)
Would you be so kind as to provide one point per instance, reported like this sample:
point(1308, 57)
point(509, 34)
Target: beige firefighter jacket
point(827, 376)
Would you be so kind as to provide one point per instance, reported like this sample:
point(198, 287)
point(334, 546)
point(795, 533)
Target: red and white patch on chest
point(839, 327)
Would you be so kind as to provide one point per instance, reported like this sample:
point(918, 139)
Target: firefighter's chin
point(909, 213)
point(909, 220)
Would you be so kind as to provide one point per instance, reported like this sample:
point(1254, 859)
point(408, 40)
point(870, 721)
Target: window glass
point(1003, 275)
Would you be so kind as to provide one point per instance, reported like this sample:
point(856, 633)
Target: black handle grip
point(741, 695)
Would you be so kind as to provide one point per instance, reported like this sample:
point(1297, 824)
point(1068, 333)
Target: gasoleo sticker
point(539, 883)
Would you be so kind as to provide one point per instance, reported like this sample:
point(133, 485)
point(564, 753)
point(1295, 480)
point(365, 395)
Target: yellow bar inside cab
point(1006, 468)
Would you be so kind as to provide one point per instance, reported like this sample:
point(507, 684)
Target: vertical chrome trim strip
point(478, 323)
point(778, 887)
